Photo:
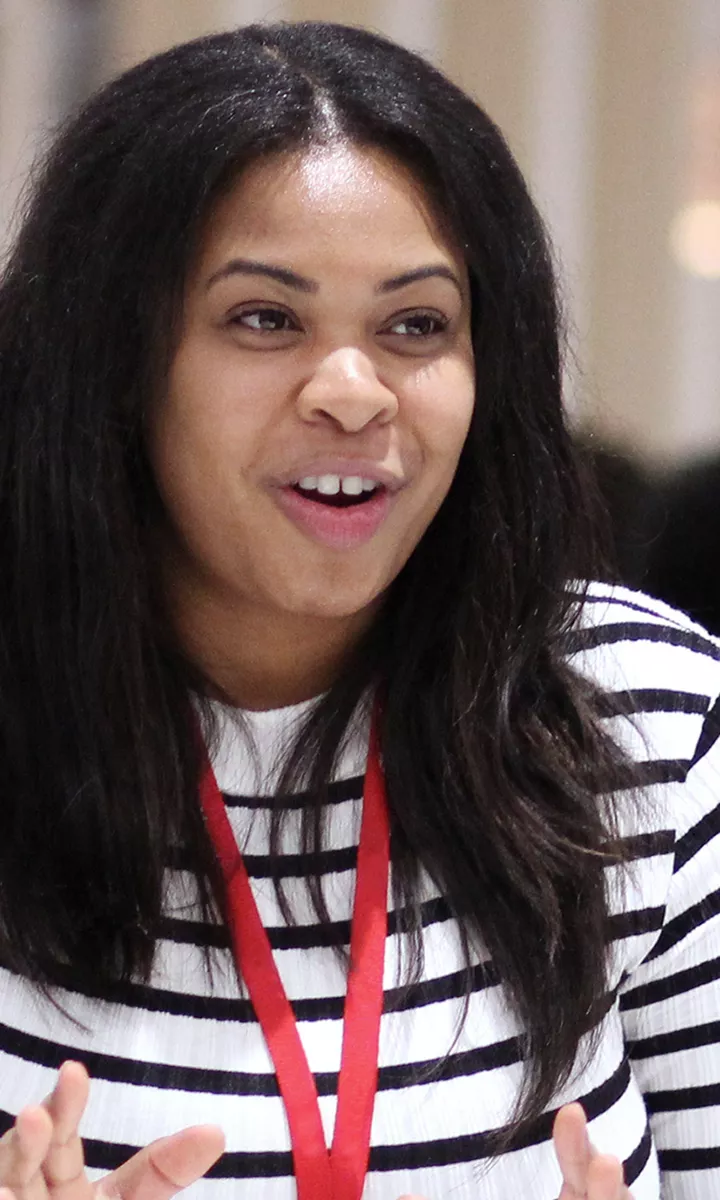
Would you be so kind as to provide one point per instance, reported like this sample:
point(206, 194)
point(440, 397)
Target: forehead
point(339, 200)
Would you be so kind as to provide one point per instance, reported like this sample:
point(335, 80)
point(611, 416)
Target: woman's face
point(321, 390)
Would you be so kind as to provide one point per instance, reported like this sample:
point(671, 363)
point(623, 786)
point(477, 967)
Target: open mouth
point(338, 499)
point(335, 491)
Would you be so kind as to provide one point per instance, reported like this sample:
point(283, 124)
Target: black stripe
point(115, 1069)
point(445, 987)
point(630, 631)
point(446, 1151)
point(326, 862)
point(635, 922)
point(296, 937)
point(593, 598)
point(294, 866)
point(709, 734)
point(654, 771)
point(269, 1164)
point(337, 933)
point(624, 704)
point(321, 1008)
point(648, 845)
point(674, 985)
point(679, 1099)
point(193, 933)
point(281, 866)
point(415, 1155)
point(108, 1156)
point(338, 792)
point(437, 1070)
point(636, 1162)
point(680, 926)
point(704, 1158)
point(676, 1040)
point(698, 836)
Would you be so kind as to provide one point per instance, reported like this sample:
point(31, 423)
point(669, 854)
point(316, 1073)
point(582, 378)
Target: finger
point(64, 1164)
point(605, 1179)
point(573, 1150)
point(165, 1166)
point(22, 1152)
point(66, 1102)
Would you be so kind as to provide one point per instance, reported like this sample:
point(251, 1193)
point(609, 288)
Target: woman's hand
point(41, 1157)
point(587, 1175)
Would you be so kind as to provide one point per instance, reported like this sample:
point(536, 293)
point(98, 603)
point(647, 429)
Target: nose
point(345, 390)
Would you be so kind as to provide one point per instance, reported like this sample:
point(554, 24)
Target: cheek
point(445, 409)
point(197, 425)
point(220, 411)
point(183, 441)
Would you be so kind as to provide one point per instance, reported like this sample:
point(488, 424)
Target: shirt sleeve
point(670, 1003)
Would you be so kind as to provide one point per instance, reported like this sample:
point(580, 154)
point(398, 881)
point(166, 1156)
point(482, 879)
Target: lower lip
point(338, 528)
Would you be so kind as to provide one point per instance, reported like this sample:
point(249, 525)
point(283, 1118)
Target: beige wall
point(642, 62)
point(593, 97)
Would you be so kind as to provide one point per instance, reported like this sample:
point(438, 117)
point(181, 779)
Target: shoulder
point(626, 640)
point(659, 672)
point(610, 604)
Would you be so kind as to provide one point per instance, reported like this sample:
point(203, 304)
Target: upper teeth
point(330, 485)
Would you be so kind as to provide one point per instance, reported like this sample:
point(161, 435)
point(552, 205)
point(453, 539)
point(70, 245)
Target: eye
point(420, 325)
point(264, 320)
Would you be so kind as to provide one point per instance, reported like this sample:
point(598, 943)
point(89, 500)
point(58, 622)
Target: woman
point(287, 494)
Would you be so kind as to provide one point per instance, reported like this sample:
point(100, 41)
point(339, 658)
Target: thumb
point(573, 1150)
point(165, 1166)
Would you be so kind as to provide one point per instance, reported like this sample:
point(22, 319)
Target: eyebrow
point(299, 283)
point(249, 266)
point(432, 271)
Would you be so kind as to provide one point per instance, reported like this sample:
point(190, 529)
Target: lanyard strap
point(339, 1174)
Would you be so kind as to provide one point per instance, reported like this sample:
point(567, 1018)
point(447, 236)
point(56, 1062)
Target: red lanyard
point(340, 1173)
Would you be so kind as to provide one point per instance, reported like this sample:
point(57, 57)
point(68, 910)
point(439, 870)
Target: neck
point(260, 660)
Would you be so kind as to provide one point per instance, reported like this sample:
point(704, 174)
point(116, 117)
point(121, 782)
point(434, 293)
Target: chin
point(334, 604)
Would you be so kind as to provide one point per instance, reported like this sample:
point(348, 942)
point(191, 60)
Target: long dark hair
point(492, 750)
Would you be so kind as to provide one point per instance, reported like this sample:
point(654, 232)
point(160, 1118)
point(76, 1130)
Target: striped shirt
point(186, 1048)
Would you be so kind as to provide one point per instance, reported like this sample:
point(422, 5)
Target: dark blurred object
point(683, 563)
point(633, 506)
point(663, 530)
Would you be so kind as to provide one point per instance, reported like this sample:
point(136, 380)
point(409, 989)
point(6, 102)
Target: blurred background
point(612, 108)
